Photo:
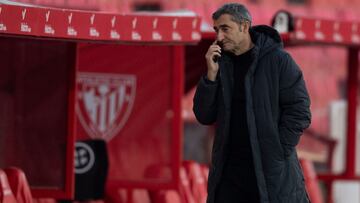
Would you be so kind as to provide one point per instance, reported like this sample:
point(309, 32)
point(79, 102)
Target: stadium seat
point(162, 195)
point(185, 189)
point(44, 200)
point(165, 196)
point(140, 196)
point(205, 172)
point(115, 195)
point(6, 195)
point(197, 181)
point(121, 195)
point(19, 185)
point(311, 181)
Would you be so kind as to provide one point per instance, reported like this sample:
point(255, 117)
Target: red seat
point(140, 196)
point(197, 181)
point(19, 185)
point(166, 196)
point(44, 200)
point(185, 189)
point(311, 181)
point(6, 195)
point(163, 196)
point(120, 195)
point(115, 195)
point(205, 172)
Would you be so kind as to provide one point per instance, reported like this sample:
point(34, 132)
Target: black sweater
point(239, 144)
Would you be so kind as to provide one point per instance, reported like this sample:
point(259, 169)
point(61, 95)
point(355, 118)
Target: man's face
point(228, 33)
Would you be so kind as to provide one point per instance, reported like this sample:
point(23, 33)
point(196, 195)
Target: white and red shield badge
point(104, 102)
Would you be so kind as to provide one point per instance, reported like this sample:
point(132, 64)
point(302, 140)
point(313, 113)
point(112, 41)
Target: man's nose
point(219, 36)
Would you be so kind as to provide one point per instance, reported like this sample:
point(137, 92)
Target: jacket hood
point(265, 38)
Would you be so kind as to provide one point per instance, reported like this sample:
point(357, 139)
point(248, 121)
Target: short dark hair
point(238, 12)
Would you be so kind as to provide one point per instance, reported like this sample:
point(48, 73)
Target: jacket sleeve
point(294, 103)
point(205, 103)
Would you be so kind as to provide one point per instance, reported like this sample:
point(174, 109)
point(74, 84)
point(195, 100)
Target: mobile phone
point(216, 57)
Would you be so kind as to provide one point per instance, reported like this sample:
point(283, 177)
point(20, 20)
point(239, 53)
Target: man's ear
point(246, 26)
point(241, 27)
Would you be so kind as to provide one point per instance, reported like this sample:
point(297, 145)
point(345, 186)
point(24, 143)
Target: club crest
point(104, 102)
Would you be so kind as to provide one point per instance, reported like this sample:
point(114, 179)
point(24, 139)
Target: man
point(256, 94)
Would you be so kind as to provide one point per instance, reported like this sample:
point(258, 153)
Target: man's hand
point(213, 67)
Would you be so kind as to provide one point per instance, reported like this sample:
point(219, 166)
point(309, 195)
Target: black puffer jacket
point(277, 113)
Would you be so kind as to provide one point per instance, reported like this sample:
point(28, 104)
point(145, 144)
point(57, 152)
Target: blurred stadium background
point(151, 149)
